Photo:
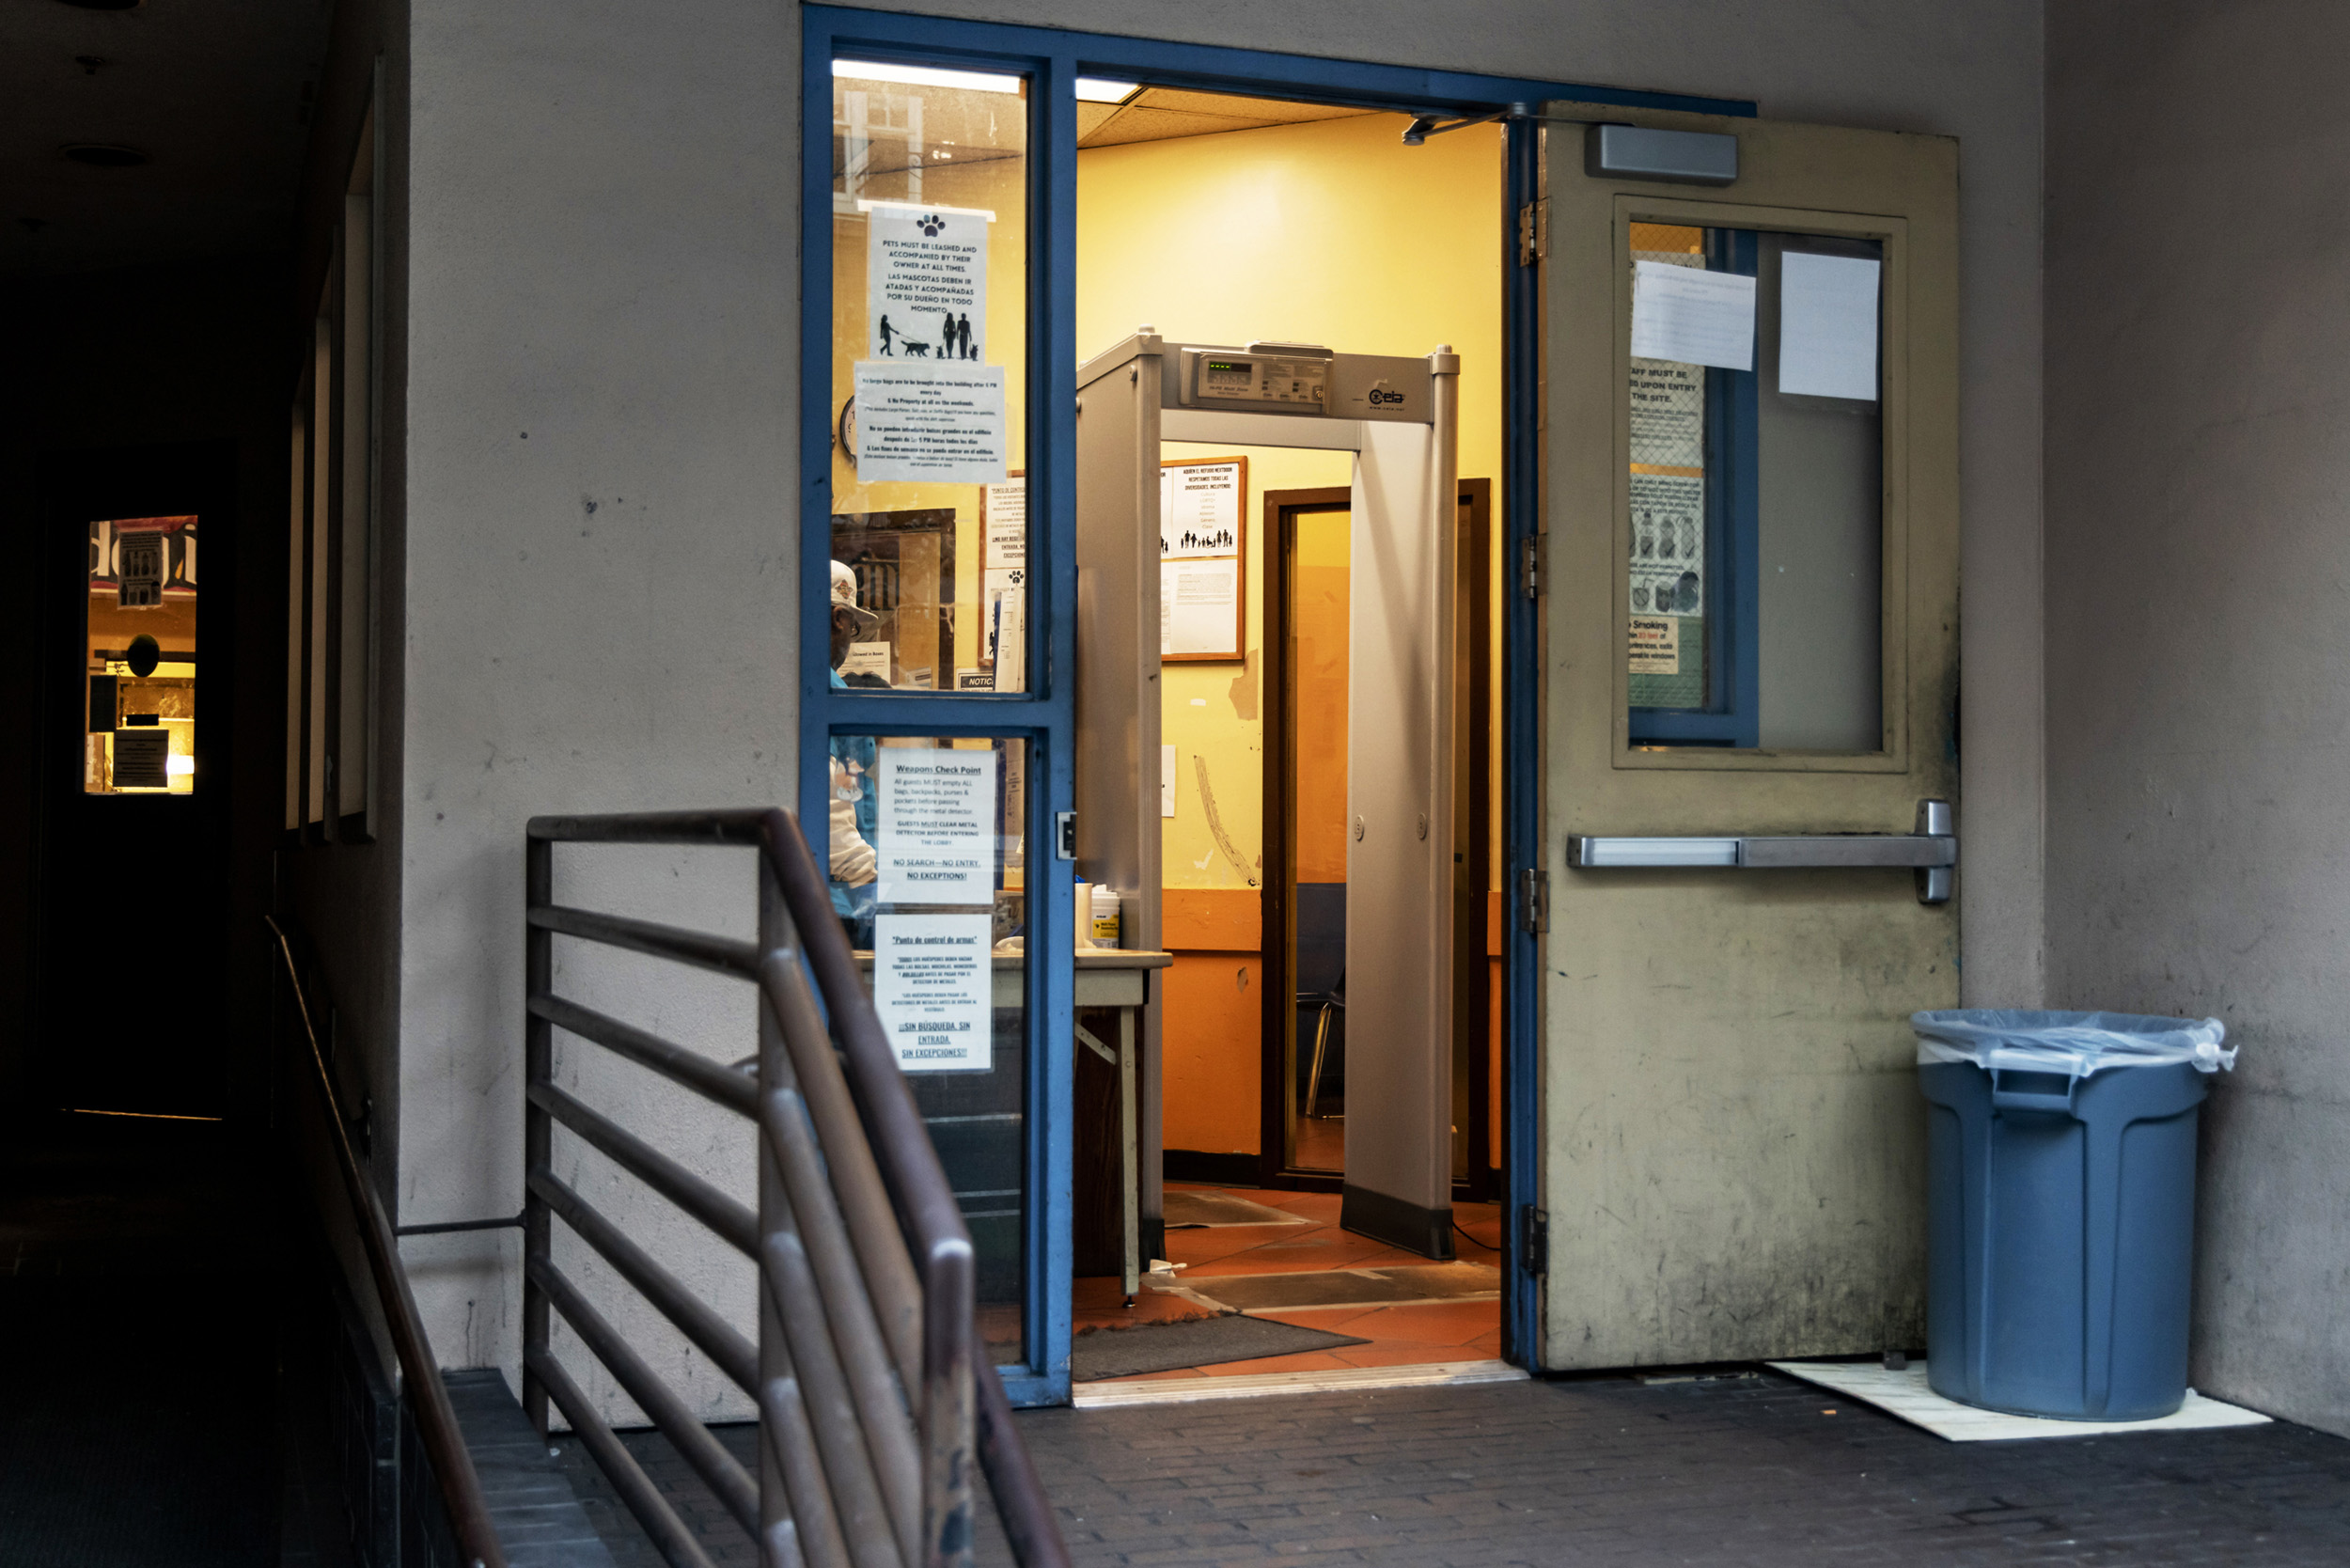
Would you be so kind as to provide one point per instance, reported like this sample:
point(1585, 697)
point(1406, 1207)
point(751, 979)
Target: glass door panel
point(1754, 532)
point(929, 877)
point(930, 324)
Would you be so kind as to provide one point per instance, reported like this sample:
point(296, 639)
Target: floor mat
point(1191, 1211)
point(1346, 1287)
point(1202, 1342)
point(1906, 1394)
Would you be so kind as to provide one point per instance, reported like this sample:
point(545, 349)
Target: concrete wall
point(599, 545)
point(2198, 358)
point(601, 491)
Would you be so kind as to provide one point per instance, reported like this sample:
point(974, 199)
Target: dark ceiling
point(216, 92)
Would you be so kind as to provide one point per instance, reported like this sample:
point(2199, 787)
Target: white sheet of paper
point(1167, 782)
point(1197, 601)
point(932, 983)
point(1199, 509)
point(937, 424)
point(1827, 325)
point(1668, 545)
point(867, 658)
point(1698, 318)
point(1007, 509)
point(937, 825)
point(996, 589)
point(925, 284)
point(1009, 612)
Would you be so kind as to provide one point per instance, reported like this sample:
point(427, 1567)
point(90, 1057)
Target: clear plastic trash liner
point(2078, 1044)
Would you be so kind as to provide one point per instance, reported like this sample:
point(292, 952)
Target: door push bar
point(1931, 852)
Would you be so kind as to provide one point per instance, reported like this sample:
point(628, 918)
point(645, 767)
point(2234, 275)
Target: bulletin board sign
point(1202, 559)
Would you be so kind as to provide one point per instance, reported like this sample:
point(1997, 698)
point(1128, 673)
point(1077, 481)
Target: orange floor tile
point(1414, 1333)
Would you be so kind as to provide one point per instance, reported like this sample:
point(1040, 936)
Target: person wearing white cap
point(855, 813)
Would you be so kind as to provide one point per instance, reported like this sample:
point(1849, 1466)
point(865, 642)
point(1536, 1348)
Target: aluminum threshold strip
point(1119, 1393)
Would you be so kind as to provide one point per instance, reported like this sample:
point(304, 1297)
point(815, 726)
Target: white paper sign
point(1827, 325)
point(1698, 318)
point(940, 424)
point(1199, 509)
point(1007, 633)
point(933, 978)
point(925, 285)
point(1656, 646)
point(937, 825)
point(867, 658)
point(1667, 413)
point(1006, 506)
point(1667, 544)
point(1198, 607)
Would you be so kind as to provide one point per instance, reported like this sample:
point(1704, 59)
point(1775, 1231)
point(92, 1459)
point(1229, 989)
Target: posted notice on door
point(937, 825)
point(932, 986)
point(939, 424)
point(926, 284)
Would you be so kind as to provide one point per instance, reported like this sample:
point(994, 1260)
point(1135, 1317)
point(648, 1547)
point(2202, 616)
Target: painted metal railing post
point(947, 1406)
point(778, 1543)
point(538, 1132)
point(876, 1407)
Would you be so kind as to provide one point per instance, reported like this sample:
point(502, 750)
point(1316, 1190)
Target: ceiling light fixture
point(926, 76)
point(1100, 89)
point(104, 155)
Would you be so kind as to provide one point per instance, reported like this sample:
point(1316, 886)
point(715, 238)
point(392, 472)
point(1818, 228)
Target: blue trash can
point(2060, 1176)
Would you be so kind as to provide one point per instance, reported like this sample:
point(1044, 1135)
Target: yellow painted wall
point(1330, 232)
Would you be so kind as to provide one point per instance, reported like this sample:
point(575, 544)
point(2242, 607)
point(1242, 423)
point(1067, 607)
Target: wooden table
point(1113, 978)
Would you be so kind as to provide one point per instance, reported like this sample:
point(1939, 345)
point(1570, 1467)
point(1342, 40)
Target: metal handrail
point(436, 1418)
point(869, 1382)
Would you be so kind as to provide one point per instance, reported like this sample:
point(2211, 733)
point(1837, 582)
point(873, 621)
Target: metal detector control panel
point(1248, 378)
point(1297, 379)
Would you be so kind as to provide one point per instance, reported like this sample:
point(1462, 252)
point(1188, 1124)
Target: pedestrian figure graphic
point(886, 333)
point(946, 339)
point(963, 330)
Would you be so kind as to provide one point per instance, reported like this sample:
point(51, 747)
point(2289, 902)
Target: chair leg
point(1313, 1076)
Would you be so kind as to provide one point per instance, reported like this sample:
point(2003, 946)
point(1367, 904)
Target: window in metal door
point(1754, 516)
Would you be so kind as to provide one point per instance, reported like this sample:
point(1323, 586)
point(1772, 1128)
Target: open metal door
point(1750, 662)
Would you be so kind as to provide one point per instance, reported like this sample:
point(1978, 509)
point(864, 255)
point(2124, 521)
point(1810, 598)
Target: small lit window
point(140, 656)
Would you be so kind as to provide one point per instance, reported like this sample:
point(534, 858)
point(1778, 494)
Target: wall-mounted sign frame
point(1203, 559)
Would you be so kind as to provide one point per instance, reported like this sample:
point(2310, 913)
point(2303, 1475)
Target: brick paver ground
point(1745, 1469)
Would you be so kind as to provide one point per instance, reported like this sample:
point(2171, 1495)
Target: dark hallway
point(139, 1294)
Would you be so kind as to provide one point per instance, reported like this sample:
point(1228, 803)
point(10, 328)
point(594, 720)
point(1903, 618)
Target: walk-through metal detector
point(1398, 417)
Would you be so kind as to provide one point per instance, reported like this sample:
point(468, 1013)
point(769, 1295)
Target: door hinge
point(1530, 566)
point(1534, 899)
point(1533, 1240)
point(1533, 232)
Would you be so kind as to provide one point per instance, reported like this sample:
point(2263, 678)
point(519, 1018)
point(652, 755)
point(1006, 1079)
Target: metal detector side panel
point(1399, 892)
point(1118, 675)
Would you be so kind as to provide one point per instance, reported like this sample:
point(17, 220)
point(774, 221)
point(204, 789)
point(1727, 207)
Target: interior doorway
point(1270, 1145)
point(132, 879)
point(1304, 1039)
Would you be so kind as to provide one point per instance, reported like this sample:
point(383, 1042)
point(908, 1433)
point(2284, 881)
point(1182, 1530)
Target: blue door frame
point(1045, 716)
